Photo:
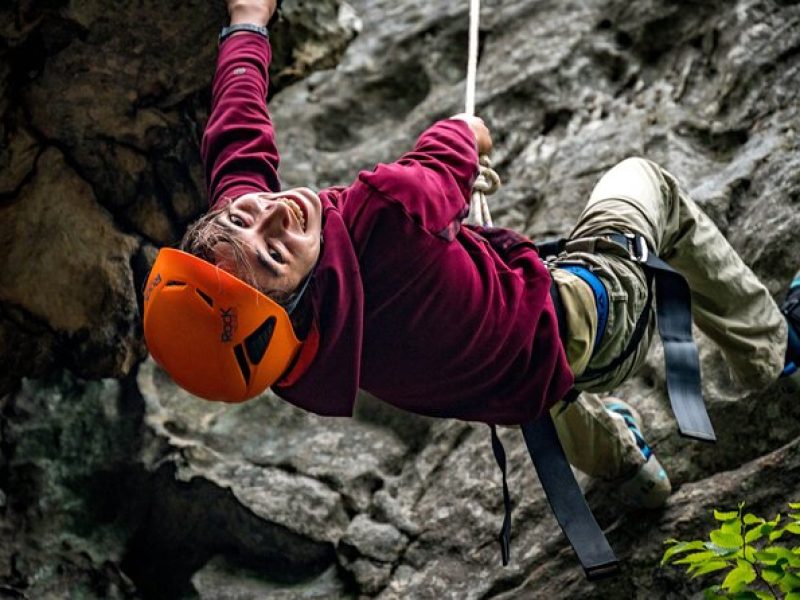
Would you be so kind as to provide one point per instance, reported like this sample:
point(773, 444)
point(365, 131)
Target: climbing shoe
point(649, 486)
point(791, 310)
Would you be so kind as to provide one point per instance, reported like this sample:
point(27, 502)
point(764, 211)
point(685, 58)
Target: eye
point(236, 220)
point(276, 256)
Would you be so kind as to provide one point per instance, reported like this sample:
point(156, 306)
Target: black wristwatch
point(231, 29)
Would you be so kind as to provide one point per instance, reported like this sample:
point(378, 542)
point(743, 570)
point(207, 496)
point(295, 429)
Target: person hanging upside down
point(380, 286)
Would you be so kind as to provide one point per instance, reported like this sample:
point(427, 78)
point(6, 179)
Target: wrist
point(250, 15)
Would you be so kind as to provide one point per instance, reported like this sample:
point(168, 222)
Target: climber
point(380, 286)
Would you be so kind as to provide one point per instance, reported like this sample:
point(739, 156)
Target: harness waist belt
point(674, 318)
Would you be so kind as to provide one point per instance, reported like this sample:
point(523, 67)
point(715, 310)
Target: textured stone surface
point(135, 489)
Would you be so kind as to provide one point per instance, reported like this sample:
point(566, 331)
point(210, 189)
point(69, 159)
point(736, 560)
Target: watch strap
point(249, 27)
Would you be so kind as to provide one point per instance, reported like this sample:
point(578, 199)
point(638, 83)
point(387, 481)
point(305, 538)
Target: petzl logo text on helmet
point(153, 285)
point(229, 323)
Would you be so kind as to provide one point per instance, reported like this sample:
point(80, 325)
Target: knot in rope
point(486, 184)
point(488, 181)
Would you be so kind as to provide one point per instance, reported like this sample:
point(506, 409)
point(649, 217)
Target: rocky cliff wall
point(126, 487)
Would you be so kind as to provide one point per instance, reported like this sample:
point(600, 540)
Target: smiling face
point(269, 240)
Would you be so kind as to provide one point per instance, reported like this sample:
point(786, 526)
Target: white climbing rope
point(472, 58)
point(488, 181)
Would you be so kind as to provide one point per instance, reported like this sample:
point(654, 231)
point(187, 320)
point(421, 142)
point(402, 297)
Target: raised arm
point(433, 182)
point(238, 148)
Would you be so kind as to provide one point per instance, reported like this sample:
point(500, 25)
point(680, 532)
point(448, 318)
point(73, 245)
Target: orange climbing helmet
point(218, 337)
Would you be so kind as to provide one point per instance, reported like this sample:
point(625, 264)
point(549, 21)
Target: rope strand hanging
point(488, 180)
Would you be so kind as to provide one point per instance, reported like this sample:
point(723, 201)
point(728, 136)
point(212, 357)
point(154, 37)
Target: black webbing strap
point(505, 530)
point(561, 312)
point(566, 500)
point(559, 484)
point(674, 317)
point(564, 495)
point(551, 247)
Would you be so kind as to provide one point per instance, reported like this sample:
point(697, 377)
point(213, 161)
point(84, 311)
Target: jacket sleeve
point(238, 148)
point(514, 248)
point(433, 182)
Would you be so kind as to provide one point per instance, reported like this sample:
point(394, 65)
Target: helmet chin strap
point(297, 296)
point(292, 304)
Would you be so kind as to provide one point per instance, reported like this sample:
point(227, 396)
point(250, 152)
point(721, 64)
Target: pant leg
point(729, 303)
point(596, 441)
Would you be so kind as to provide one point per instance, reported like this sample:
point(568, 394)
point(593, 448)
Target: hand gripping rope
point(488, 181)
point(562, 491)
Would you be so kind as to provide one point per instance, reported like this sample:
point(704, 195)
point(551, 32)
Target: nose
point(275, 219)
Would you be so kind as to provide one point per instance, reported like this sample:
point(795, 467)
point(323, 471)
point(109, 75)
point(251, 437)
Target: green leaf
point(739, 577)
point(764, 596)
point(748, 595)
point(719, 551)
point(794, 505)
point(789, 583)
point(743, 595)
point(785, 556)
point(793, 527)
point(679, 547)
point(793, 596)
point(766, 558)
point(734, 527)
point(772, 574)
point(751, 519)
point(756, 533)
point(726, 540)
point(725, 516)
point(795, 516)
point(775, 535)
point(710, 567)
point(713, 593)
point(695, 557)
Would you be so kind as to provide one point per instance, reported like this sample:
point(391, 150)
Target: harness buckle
point(637, 247)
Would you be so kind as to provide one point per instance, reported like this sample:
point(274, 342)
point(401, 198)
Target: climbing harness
point(488, 181)
point(674, 319)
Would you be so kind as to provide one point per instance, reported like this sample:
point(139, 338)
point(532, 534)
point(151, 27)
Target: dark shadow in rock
point(189, 523)
point(722, 145)
point(396, 94)
point(412, 429)
point(556, 120)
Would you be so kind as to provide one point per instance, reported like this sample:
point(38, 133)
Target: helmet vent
point(243, 366)
point(258, 341)
point(205, 297)
point(174, 283)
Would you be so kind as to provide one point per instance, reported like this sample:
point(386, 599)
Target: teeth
point(296, 210)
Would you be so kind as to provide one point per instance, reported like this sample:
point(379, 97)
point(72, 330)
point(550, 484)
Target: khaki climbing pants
point(729, 304)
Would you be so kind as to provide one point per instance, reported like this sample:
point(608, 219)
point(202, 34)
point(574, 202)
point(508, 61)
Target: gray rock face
point(132, 488)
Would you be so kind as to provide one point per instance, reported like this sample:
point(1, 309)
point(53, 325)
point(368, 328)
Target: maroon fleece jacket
point(431, 316)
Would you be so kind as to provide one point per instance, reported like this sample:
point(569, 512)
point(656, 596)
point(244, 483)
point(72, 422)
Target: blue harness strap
point(600, 297)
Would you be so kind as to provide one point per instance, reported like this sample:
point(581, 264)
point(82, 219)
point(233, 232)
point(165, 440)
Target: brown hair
point(208, 231)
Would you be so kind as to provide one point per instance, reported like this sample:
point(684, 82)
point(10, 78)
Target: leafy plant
point(756, 556)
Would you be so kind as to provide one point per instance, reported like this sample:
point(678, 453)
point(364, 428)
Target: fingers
point(257, 12)
point(483, 136)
